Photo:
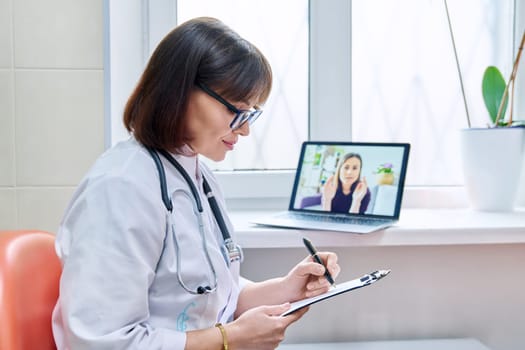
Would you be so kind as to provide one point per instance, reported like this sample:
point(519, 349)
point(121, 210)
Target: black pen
point(318, 260)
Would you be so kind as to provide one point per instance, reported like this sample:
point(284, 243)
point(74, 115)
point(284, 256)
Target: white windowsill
point(419, 344)
point(421, 227)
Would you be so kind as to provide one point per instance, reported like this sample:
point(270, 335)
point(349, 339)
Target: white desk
point(434, 344)
point(416, 227)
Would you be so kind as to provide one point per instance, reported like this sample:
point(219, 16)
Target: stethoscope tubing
point(200, 289)
point(231, 251)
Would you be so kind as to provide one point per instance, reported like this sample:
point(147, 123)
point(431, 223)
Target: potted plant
point(385, 174)
point(493, 156)
point(496, 93)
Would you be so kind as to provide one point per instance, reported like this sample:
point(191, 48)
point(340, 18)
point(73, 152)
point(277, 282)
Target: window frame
point(519, 28)
point(328, 73)
point(137, 33)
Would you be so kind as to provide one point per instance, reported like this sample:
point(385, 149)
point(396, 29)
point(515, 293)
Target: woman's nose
point(243, 130)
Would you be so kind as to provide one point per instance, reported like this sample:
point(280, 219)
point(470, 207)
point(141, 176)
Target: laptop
point(345, 186)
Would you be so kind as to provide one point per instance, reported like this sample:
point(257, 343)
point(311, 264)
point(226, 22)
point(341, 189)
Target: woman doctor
point(144, 264)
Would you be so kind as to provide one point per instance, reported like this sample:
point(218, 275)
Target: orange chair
point(29, 282)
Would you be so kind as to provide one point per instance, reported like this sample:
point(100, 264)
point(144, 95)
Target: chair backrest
point(29, 282)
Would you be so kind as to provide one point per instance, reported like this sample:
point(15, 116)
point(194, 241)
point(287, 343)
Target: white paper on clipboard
point(360, 282)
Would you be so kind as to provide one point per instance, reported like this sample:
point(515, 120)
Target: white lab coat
point(119, 286)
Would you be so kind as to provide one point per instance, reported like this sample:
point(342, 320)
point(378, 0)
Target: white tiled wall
point(57, 134)
point(58, 33)
point(7, 208)
point(6, 34)
point(7, 142)
point(51, 106)
point(31, 201)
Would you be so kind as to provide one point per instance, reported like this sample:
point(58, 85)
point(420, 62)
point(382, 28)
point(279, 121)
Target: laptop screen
point(365, 179)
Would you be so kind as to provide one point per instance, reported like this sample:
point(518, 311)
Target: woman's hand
point(360, 190)
point(307, 278)
point(261, 328)
point(329, 189)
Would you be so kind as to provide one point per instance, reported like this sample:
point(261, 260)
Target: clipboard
point(357, 283)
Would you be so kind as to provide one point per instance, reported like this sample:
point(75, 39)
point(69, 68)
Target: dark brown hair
point(202, 49)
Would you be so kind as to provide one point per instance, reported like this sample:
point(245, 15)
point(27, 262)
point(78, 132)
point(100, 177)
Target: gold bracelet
point(224, 337)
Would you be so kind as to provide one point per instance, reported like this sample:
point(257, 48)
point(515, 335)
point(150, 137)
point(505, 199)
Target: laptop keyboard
point(335, 219)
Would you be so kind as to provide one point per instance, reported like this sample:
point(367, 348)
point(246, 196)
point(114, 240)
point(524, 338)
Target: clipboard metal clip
point(374, 276)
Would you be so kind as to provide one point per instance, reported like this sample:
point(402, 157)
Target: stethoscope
point(231, 251)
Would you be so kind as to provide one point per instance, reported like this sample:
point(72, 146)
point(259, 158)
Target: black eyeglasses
point(241, 115)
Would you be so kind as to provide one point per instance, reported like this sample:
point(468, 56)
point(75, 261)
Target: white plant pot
point(492, 162)
point(520, 201)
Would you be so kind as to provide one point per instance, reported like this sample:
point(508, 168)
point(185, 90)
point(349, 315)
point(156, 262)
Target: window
point(280, 30)
point(364, 70)
point(405, 80)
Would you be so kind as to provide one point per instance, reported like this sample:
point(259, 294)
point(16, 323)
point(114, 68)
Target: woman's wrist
point(232, 332)
point(325, 203)
point(356, 205)
point(208, 338)
point(224, 336)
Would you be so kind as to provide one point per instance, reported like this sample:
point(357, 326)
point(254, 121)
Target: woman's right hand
point(329, 190)
point(261, 328)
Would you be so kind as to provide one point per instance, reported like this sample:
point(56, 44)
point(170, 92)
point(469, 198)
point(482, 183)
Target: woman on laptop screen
point(346, 191)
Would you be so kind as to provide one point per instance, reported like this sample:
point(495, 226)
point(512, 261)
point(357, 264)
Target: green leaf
point(493, 86)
